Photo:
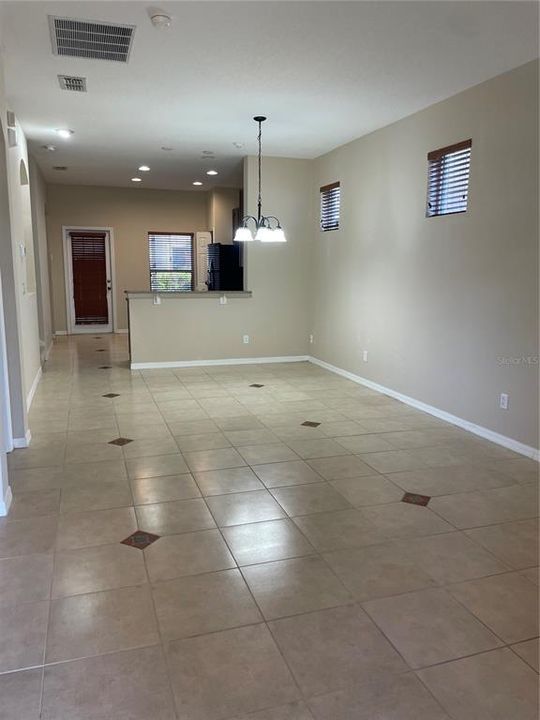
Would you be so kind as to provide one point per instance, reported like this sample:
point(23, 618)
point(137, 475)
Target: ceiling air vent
point(72, 82)
point(90, 39)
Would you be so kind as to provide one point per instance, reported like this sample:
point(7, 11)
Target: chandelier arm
point(248, 217)
point(273, 217)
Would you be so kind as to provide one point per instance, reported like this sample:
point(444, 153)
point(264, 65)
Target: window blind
point(448, 179)
point(89, 268)
point(330, 206)
point(87, 246)
point(171, 262)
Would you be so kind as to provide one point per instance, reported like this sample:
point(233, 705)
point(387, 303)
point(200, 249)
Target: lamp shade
point(264, 234)
point(278, 235)
point(243, 234)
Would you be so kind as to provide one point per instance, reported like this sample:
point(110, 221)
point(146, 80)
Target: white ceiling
point(324, 73)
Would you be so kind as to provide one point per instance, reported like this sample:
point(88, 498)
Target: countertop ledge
point(136, 294)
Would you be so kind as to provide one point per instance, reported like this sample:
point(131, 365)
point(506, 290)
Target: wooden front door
point(91, 280)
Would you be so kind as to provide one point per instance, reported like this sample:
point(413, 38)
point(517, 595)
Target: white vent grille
point(90, 39)
point(72, 82)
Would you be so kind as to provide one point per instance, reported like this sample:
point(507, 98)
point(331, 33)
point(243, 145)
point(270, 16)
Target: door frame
point(68, 278)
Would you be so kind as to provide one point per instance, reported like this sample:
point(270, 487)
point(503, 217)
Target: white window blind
point(448, 179)
point(330, 206)
point(171, 262)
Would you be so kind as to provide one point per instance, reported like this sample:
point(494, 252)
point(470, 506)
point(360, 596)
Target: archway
point(15, 402)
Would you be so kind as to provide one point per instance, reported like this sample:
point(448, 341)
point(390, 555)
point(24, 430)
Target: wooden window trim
point(438, 154)
point(331, 186)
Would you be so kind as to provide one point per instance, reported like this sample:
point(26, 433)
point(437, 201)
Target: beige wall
point(132, 213)
point(222, 202)
point(21, 306)
point(275, 317)
point(436, 302)
point(19, 302)
point(38, 192)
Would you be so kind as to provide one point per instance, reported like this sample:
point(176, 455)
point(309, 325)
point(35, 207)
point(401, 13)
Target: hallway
point(259, 542)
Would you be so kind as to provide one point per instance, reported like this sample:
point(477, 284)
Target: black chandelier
point(267, 227)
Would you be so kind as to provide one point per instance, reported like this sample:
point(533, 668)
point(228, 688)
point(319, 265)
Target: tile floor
point(288, 580)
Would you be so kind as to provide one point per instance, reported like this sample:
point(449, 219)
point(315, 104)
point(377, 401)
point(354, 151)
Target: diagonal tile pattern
point(415, 499)
point(282, 573)
point(140, 539)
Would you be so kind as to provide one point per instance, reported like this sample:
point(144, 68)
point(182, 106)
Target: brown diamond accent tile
point(310, 423)
point(100, 350)
point(104, 367)
point(415, 499)
point(120, 441)
point(97, 337)
point(111, 395)
point(256, 385)
point(140, 539)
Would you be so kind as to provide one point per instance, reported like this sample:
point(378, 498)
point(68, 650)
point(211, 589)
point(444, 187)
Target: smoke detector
point(161, 21)
point(48, 148)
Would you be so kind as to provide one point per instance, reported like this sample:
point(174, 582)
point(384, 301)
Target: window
point(330, 202)
point(448, 179)
point(171, 262)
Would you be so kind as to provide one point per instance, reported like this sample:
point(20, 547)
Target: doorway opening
point(89, 279)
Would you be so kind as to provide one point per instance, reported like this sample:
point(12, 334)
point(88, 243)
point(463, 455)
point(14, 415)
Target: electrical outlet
point(223, 300)
point(157, 300)
point(365, 356)
point(311, 339)
point(503, 401)
point(245, 339)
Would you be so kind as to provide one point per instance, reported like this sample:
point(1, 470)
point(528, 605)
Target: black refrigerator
point(225, 271)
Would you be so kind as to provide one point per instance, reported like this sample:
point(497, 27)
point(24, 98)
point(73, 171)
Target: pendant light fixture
point(267, 227)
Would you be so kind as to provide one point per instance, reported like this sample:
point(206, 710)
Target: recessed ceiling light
point(144, 168)
point(48, 148)
point(211, 172)
point(64, 133)
point(197, 182)
point(166, 148)
point(135, 179)
point(238, 145)
point(207, 152)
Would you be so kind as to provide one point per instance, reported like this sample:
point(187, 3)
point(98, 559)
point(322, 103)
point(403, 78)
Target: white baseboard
point(483, 432)
point(24, 441)
point(223, 361)
point(122, 331)
point(48, 350)
point(33, 388)
point(60, 332)
point(5, 502)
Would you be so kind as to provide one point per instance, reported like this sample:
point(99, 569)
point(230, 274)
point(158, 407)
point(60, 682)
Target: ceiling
point(324, 73)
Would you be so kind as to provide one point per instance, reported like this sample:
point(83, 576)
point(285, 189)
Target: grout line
point(263, 618)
